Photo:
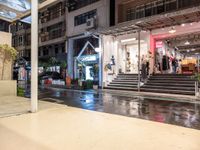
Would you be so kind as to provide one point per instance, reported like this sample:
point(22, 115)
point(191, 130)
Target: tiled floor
point(12, 105)
point(58, 127)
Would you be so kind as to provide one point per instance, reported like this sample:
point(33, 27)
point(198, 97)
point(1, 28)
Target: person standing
point(174, 65)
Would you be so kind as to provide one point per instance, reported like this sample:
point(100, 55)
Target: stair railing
point(197, 88)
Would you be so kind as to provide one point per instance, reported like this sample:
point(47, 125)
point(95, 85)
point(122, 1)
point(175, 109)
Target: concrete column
point(34, 56)
point(139, 61)
point(101, 61)
point(70, 57)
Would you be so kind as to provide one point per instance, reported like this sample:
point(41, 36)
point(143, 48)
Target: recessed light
point(128, 40)
point(172, 30)
point(183, 25)
point(187, 43)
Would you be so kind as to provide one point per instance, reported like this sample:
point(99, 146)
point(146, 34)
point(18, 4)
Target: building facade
point(21, 38)
point(4, 25)
point(84, 18)
point(145, 21)
point(52, 33)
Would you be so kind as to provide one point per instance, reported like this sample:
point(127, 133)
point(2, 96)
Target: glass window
point(74, 5)
point(81, 19)
point(170, 5)
point(140, 12)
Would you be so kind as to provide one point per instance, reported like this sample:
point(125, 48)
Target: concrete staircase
point(124, 82)
point(170, 83)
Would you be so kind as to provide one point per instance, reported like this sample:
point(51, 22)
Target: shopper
point(174, 65)
point(144, 68)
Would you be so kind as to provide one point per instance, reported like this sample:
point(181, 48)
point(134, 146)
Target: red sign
point(159, 44)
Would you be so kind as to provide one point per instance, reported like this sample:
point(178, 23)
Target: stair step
point(168, 91)
point(170, 84)
point(170, 88)
point(122, 88)
point(182, 79)
point(117, 79)
point(173, 75)
point(168, 81)
point(123, 85)
point(127, 74)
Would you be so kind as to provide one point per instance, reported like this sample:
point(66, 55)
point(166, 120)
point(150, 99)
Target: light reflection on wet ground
point(177, 113)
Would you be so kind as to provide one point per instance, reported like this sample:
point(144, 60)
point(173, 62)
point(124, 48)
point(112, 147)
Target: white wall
point(102, 16)
point(5, 38)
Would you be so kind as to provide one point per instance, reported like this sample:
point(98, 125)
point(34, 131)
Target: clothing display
point(165, 63)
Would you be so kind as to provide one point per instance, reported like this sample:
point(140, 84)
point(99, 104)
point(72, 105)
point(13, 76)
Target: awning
point(154, 22)
point(11, 10)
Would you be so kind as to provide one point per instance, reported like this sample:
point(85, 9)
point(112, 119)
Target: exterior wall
point(102, 7)
point(51, 41)
point(4, 26)
point(78, 32)
point(21, 38)
point(169, 6)
point(53, 31)
point(8, 88)
point(5, 38)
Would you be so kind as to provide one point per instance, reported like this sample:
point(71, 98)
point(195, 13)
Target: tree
point(7, 54)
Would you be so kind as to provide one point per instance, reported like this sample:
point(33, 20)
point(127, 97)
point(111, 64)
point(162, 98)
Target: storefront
point(84, 61)
point(125, 49)
point(177, 52)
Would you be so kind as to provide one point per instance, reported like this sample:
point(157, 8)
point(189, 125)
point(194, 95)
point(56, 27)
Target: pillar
point(34, 56)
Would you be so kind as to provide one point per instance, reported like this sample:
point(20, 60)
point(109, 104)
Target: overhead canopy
point(154, 22)
point(11, 10)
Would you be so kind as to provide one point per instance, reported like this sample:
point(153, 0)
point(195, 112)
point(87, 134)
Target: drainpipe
point(34, 56)
point(139, 60)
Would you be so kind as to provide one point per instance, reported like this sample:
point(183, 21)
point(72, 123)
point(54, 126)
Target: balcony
point(52, 22)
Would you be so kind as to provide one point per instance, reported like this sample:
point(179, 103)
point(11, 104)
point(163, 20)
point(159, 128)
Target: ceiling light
point(187, 43)
point(128, 40)
point(172, 30)
point(97, 49)
point(183, 25)
point(193, 49)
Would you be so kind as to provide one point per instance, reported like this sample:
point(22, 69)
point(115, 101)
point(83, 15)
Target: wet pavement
point(186, 114)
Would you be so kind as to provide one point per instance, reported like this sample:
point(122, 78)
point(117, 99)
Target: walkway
point(182, 112)
point(61, 127)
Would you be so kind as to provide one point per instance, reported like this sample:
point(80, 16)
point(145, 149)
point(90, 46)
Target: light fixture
point(188, 51)
point(193, 49)
point(183, 25)
point(97, 49)
point(172, 30)
point(187, 43)
point(128, 40)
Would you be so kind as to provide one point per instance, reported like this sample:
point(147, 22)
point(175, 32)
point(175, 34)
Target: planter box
point(8, 88)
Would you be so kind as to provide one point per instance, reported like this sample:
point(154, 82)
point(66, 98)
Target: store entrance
point(177, 55)
point(87, 68)
point(131, 61)
point(131, 56)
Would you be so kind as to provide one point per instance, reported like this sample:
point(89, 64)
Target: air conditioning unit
point(91, 23)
